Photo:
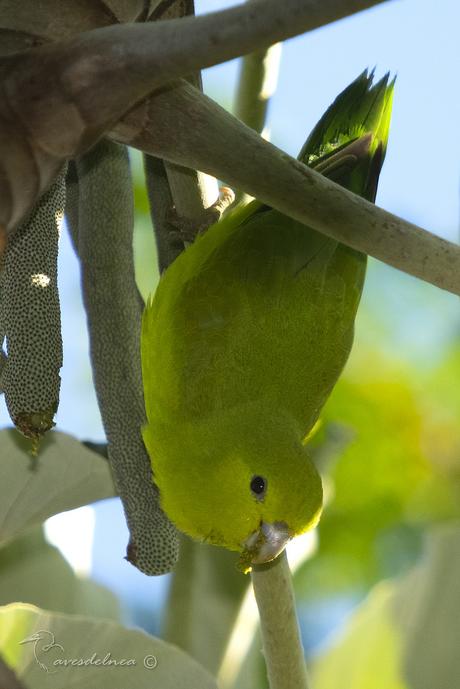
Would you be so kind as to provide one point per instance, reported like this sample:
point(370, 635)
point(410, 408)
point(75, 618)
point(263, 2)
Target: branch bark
point(189, 192)
point(184, 126)
point(283, 651)
point(161, 206)
point(256, 85)
point(59, 99)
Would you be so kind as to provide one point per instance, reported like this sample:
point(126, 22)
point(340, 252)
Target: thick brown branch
point(184, 126)
point(61, 98)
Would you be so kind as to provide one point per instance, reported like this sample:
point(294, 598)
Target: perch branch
point(286, 668)
point(182, 125)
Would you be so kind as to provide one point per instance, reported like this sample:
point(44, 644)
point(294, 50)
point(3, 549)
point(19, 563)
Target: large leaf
point(64, 475)
point(391, 479)
point(27, 635)
point(406, 634)
point(33, 571)
point(205, 595)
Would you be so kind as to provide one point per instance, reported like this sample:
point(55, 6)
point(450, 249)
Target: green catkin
point(30, 316)
point(113, 305)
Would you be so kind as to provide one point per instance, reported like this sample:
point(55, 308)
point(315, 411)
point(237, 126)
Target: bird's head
point(245, 486)
point(40, 635)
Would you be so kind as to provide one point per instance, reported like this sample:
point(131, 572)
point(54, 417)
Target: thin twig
point(282, 646)
point(161, 206)
point(183, 125)
point(256, 85)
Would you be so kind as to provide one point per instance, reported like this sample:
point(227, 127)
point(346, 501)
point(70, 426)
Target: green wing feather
point(262, 307)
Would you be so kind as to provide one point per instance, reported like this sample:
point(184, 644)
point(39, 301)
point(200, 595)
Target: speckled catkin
point(30, 316)
point(114, 310)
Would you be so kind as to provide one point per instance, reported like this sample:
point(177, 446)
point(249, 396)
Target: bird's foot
point(187, 229)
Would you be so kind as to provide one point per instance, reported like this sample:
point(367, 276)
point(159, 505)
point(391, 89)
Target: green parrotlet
point(243, 341)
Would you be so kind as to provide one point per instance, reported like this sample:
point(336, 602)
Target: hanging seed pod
point(30, 316)
point(104, 242)
point(2, 366)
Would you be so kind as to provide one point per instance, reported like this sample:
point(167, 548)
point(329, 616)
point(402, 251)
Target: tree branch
point(59, 99)
point(161, 206)
point(256, 84)
point(188, 191)
point(184, 126)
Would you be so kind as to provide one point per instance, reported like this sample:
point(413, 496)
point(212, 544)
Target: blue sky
point(418, 40)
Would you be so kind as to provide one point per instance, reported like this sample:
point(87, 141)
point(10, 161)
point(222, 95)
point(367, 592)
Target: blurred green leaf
point(406, 634)
point(388, 482)
point(64, 475)
point(145, 256)
point(145, 252)
point(426, 609)
point(252, 673)
point(369, 657)
point(205, 595)
point(33, 571)
point(141, 201)
point(29, 636)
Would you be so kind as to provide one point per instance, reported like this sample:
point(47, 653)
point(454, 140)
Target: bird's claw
point(187, 229)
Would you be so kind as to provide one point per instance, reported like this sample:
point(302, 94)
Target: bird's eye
point(258, 486)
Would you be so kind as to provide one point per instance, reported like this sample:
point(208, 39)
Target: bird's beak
point(266, 543)
point(32, 637)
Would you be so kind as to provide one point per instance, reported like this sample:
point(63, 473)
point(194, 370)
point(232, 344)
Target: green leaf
point(26, 633)
point(388, 482)
point(369, 657)
point(426, 608)
point(406, 634)
point(33, 571)
point(64, 475)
